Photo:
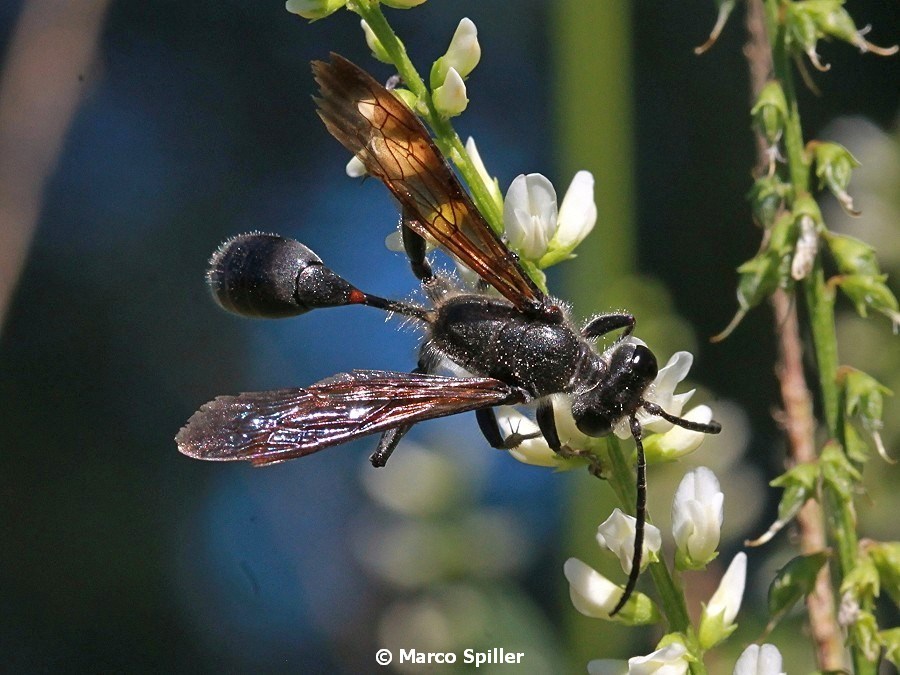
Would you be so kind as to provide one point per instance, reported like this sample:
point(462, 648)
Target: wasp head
point(630, 369)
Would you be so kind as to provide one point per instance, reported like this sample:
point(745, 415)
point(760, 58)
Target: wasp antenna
point(712, 427)
point(640, 515)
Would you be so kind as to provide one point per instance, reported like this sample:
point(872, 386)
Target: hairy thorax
point(489, 337)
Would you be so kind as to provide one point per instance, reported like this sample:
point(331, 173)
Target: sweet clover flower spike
point(717, 619)
point(462, 55)
point(536, 228)
point(617, 534)
point(314, 9)
point(596, 596)
point(450, 98)
point(759, 660)
point(697, 514)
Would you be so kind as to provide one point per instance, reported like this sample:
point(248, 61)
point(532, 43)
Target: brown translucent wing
point(394, 145)
point(273, 426)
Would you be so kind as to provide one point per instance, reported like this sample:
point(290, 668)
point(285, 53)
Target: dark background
point(120, 554)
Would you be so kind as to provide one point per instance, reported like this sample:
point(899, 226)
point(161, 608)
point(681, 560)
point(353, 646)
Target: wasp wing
point(394, 145)
point(273, 426)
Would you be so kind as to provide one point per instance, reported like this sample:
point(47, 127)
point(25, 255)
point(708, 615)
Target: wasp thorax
point(265, 275)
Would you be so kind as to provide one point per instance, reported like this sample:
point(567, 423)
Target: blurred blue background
point(196, 124)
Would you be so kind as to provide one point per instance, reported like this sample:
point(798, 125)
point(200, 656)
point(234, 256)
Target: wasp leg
point(490, 428)
point(428, 358)
point(546, 420)
point(606, 323)
point(415, 246)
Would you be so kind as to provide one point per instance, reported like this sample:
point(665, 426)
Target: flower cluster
point(697, 515)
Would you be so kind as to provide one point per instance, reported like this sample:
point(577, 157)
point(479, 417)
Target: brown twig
point(797, 416)
point(52, 47)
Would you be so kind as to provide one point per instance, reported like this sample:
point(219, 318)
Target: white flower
point(540, 231)
point(577, 213)
point(617, 534)
point(378, 50)
point(607, 667)
point(759, 660)
point(534, 451)
point(670, 660)
point(355, 167)
point(462, 55)
point(489, 182)
point(717, 620)
point(662, 393)
point(450, 98)
point(592, 593)
point(677, 441)
point(697, 514)
point(313, 9)
point(529, 215)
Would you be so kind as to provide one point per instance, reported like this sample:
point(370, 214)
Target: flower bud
point(852, 255)
point(890, 638)
point(314, 9)
point(837, 471)
point(770, 112)
point(402, 4)
point(834, 164)
point(864, 401)
point(833, 20)
point(697, 514)
point(493, 187)
point(717, 619)
point(596, 596)
point(617, 534)
point(462, 55)
point(378, 50)
point(868, 291)
point(802, 31)
point(450, 98)
point(355, 167)
point(767, 198)
point(759, 660)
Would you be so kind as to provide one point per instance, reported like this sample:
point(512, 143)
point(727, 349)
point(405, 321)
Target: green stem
point(445, 136)
point(622, 481)
point(840, 519)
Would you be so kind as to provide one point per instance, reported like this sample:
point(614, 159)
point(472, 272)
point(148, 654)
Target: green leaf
point(794, 581)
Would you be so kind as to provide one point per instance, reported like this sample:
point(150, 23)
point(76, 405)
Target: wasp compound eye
point(644, 364)
point(265, 275)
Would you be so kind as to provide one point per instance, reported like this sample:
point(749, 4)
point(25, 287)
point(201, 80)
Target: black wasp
point(519, 348)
